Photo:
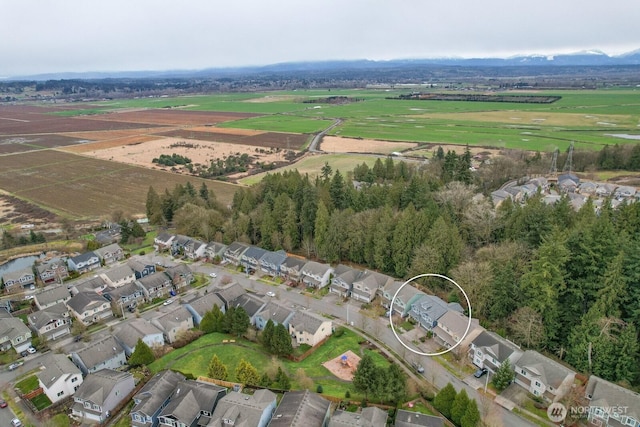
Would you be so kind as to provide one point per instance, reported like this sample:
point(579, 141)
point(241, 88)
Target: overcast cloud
point(43, 36)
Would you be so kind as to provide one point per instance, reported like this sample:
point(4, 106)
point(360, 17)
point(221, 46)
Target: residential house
point(52, 271)
point(191, 403)
point(307, 328)
point(611, 405)
point(542, 376)
point(89, 307)
point(105, 353)
point(100, 393)
point(128, 335)
point(230, 293)
point(118, 276)
point(200, 305)
point(624, 192)
point(51, 296)
point(215, 251)
point(605, 190)
point(279, 314)
point(489, 350)
point(452, 327)
point(342, 280)
point(180, 276)
point(110, 254)
point(14, 333)
point(173, 322)
point(405, 297)
point(368, 417)
point(568, 183)
point(112, 234)
point(178, 245)
point(429, 308)
point(51, 323)
point(367, 285)
point(315, 274)
point(18, 279)
point(129, 295)
point(141, 267)
point(153, 398)
point(588, 188)
point(417, 419)
point(250, 259)
point(251, 305)
point(95, 284)
point(58, 376)
point(195, 249)
point(238, 409)
point(301, 409)
point(163, 242)
point(234, 252)
point(499, 196)
point(157, 285)
point(84, 263)
point(291, 268)
point(271, 261)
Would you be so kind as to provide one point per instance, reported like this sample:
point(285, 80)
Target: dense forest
point(547, 277)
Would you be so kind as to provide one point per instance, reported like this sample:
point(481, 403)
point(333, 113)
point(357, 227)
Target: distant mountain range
point(584, 58)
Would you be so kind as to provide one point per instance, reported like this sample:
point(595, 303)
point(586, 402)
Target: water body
point(19, 264)
point(623, 135)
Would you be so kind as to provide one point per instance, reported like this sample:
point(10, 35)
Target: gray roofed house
point(124, 296)
point(162, 242)
point(58, 376)
point(100, 393)
point(279, 314)
point(89, 307)
point(195, 249)
point(368, 417)
point(94, 284)
point(500, 196)
point(244, 410)
point(51, 323)
point(307, 328)
point(215, 250)
point(234, 252)
point(489, 350)
point(301, 409)
point(611, 405)
point(106, 353)
point(153, 397)
point(199, 306)
point(428, 309)
point(51, 296)
point(451, 329)
point(250, 259)
point(271, 261)
point(342, 280)
point(250, 303)
point(191, 401)
point(128, 335)
point(315, 274)
point(156, 285)
point(404, 300)
point(178, 244)
point(141, 267)
point(180, 275)
point(230, 293)
point(291, 268)
point(625, 191)
point(52, 271)
point(542, 376)
point(110, 253)
point(14, 333)
point(417, 419)
point(84, 262)
point(367, 285)
point(23, 277)
point(119, 276)
point(111, 235)
point(173, 322)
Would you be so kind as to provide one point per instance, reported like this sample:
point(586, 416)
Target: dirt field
point(287, 141)
point(174, 117)
point(342, 370)
point(336, 144)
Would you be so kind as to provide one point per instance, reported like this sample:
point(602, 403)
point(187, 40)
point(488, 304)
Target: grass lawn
point(41, 401)
point(28, 384)
point(60, 420)
point(420, 407)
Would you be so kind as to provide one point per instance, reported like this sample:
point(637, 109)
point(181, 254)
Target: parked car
point(418, 367)
point(3, 403)
point(15, 365)
point(480, 372)
point(271, 294)
point(167, 302)
point(31, 350)
point(214, 275)
point(16, 422)
point(77, 338)
point(24, 353)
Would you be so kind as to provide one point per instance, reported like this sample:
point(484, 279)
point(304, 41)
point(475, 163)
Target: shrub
point(319, 389)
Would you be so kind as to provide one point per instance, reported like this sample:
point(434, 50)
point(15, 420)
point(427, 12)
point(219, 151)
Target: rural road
point(313, 147)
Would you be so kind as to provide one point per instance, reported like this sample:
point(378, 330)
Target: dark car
point(24, 353)
point(480, 372)
point(77, 338)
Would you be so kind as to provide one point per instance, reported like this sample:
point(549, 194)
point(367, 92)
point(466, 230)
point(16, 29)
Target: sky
point(46, 36)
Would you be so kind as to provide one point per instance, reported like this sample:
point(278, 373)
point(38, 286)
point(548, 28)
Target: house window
point(598, 412)
point(60, 393)
point(523, 372)
point(537, 383)
point(87, 405)
point(96, 407)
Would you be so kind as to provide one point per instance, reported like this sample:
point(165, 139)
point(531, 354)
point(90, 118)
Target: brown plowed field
point(53, 124)
point(227, 131)
point(290, 141)
point(111, 143)
point(175, 117)
point(104, 135)
point(20, 143)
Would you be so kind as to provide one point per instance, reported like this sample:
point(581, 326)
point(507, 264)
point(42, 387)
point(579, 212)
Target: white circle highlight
point(391, 314)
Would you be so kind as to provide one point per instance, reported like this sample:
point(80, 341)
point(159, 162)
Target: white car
point(214, 275)
point(31, 350)
point(16, 423)
point(271, 294)
point(167, 302)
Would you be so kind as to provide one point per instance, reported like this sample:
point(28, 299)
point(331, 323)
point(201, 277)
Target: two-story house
point(233, 253)
point(428, 309)
point(89, 307)
point(366, 286)
point(291, 268)
point(95, 284)
point(250, 259)
point(14, 333)
point(84, 263)
point(100, 393)
point(51, 323)
point(180, 275)
point(215, 251)
point(238, 409)
point(315, 274)
point(251, 304)
point(156, 285)
point(367, 417)
point(51, 296)
point(118, 276)
point(611, 405)
point(178, 245)
point(163, 242)
point(110, 253)
point(173, 322)
point(153, 398)
point(105, 353)
point(279, 314)
point(53, 271)
point(342, 280)
point(191, 401)
point(405, 297)
point(127, 336)
point(301, 409)
point(489, 350)
point(308, 328)
point(195, 249)
point(129, 295)
point(451, 329)
point(271, 261)
point(230, 293)
point(141, 267)
point(18, 279)
point(417, 419)
point(58, 376)
point(200, 305)
point(542, 376)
